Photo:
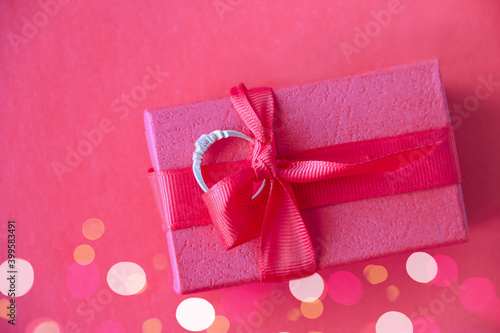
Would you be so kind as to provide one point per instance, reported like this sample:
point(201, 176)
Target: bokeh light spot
point(48, 327)
point(477, 293)
point(375, 274)
point(143, 288)
point(4, 303)
point(93, 229)
point(25, 277)
point(126, 278)
point(392, 293)
point(220, 325)
point(195, 314)
point(311, 309)
point(394, 322)
point(293, 314)
point(421, 267)
point(447, 271)
point(425, 325)
point(152, 325)
point(160, 261)
point(43, 325)
point(135, 283)
point(310, 287)
point(345, 288)
point(82, 281)
point(84, 254)
point(110, 326)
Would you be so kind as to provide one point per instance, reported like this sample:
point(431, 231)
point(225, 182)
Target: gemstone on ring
point(202, 144)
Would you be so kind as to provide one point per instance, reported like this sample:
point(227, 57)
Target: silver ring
point(202, 144)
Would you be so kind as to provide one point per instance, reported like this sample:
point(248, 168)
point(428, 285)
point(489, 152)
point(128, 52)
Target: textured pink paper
point(387, 102)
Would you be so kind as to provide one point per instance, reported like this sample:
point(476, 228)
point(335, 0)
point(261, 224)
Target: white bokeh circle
point(126, 278)
point(195, 314)
point(307, 289)
point(394, 322)
point(24, 277)
point(421, 267)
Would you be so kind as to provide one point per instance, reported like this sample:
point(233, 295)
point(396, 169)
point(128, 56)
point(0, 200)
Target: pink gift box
point(378, 104)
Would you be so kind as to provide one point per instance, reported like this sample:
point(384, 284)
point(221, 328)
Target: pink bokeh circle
point(82, 281)
point(447, 271)
point(345, 288)
point(477, 293)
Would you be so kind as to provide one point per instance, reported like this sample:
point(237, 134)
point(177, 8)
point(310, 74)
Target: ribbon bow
point(286, 250)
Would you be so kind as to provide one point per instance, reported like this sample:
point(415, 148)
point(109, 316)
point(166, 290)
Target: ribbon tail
point(308, 171)
point(229, 203)
point(286, 249)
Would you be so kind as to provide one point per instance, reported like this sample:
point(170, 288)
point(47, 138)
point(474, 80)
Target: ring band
point(202, 144)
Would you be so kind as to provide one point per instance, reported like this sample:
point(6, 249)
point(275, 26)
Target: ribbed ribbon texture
point(318, 177)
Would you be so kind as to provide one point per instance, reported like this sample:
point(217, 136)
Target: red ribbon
point(286, 250)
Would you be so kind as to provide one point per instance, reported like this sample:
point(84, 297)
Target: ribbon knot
point(264, 160)
point(286, 250)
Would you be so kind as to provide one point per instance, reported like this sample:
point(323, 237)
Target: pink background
point(81, 70)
